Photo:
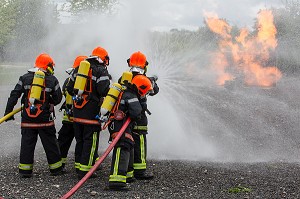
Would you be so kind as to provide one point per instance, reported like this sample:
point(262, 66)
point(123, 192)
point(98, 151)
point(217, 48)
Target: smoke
point(192, 118)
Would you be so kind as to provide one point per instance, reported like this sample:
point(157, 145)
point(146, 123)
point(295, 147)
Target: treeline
point(25, 25)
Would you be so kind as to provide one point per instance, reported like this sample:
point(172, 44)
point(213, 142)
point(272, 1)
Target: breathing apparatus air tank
point(69, 103)
point(110, 98)
point(36, 88)
point(126, 77)
point(81, 78)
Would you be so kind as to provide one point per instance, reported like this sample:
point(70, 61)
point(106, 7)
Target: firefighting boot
point(25, 175)
point(81, 174)
point(143, 175)
point(117, 186)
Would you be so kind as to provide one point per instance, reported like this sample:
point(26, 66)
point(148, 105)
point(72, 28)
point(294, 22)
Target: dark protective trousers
point(119, 164)
point(86, 150)
point(65, 138)
point(50, 144)
point(140, 152)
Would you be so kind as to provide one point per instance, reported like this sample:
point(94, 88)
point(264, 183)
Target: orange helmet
point(137, 59)
point(44, 61)
point(142, 83)
point(78, 60)
point(102, 53)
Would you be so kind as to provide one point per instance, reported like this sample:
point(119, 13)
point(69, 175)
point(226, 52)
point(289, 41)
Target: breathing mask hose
point(98, 162)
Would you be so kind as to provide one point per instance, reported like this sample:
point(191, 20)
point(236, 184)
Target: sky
point(188, 14)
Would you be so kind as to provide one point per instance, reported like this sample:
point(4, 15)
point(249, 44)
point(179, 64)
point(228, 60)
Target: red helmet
point(102, 53)
point(142, 83)
point(137, 59)
point(44, 61)
point(78, 60)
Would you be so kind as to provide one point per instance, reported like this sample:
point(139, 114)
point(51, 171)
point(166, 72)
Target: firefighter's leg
point(78, 133)
point(140, 157)
point(65, 138)
point(119, 166)
point(50, 144)
point(129, 175)
point(89, 150)
point(28, 143)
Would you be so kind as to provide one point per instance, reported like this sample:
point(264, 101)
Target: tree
point(7, 23)
point(33, 21)
point(90, 7)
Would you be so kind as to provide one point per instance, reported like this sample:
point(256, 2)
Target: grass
point(239, 189)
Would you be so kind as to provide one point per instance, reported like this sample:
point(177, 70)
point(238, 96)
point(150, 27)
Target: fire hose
point(10, 114)
point(98, 162)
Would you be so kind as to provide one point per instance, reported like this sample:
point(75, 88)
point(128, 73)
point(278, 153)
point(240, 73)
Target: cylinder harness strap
point(113, 110)
point(39, 105)
point(36, 125)
point(127, 135)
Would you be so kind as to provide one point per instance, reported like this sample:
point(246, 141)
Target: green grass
point(239, 189)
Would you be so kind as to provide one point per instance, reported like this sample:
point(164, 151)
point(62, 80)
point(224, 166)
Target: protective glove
point(10, 118)
point(144, 106)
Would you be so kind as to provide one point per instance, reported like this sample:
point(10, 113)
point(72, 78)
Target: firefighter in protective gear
point(41, 122)
point(129, 106)
point(138, 65)
point(66, 133)
point(86, 126)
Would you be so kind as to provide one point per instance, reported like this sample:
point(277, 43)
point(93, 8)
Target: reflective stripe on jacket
point(36, 125)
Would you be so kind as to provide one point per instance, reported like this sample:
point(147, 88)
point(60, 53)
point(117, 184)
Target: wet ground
point(173, 179)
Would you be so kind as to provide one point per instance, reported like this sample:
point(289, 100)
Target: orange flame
point(245, 55)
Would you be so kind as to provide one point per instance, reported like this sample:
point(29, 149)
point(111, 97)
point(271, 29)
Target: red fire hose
point(93, 169)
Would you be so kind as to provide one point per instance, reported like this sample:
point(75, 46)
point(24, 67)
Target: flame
point(245, 56)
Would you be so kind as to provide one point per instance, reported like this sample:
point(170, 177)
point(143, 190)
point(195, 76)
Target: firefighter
point(88, 84)
point(129, 106)
point(138, 65)
point(41, 92)
point(66, 133)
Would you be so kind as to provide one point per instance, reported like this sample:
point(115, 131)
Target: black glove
point(144, 106)
point(10, 118)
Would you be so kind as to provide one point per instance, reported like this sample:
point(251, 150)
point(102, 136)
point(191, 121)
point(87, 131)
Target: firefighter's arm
point(103, 83)
point(70, 84)
point(134, 108)
point(13, 98)
point(154, 85)
point(56, 93)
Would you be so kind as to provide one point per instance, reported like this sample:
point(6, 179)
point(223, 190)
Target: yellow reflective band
point(64, 160)
point(77, 165)
point(93, 149)
point(142, 146)
point(26, 167)
point(55, 165)
point(85, 167)
point(141, 128)
point(118, 178)
point(67, 118)
point(139, 166)
point(117, 159)
point(129, 174)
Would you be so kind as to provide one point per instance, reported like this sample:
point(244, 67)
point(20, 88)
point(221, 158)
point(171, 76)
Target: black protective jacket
point(53, 96)
point(143, 120)
point(100, 87)
point(132, 108)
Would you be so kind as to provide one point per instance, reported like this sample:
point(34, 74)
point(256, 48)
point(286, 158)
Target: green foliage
point(239, 189)
point(287, 22)
point(7, 20)
point(27, 23)
point(91, 7)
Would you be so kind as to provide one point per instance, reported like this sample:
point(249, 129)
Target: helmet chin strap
point(137, 69)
